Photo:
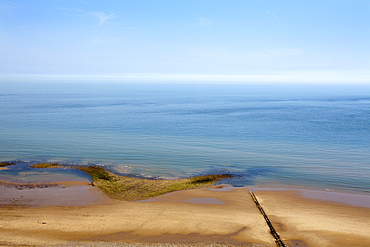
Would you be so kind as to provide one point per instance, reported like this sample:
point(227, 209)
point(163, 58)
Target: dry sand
point(69, 214)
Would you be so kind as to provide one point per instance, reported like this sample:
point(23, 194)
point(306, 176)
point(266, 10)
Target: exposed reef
point(3, 164)
point(133, 188)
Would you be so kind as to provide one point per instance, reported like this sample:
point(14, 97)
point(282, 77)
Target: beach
point(184, 123)
point(78, 214)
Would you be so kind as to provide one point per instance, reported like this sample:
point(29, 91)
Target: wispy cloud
point(272, 15)
point(9, 6)
point(204, 22)
point(102, 17)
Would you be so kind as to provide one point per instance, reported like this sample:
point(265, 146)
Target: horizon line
point(324, 77)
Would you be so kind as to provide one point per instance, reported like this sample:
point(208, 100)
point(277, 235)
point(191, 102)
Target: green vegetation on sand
point(47, 165)
point(134, 189)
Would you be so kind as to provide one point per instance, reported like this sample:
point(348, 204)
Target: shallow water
point(21, 172)
point(306, 136)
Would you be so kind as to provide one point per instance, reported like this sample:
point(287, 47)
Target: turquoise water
point(306, 136)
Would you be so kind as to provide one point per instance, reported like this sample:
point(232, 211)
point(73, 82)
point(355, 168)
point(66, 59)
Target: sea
point(302, 136)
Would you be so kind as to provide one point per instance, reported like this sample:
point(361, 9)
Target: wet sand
point(77, 214)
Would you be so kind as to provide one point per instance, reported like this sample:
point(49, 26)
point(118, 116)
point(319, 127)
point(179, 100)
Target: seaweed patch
point(133, 188)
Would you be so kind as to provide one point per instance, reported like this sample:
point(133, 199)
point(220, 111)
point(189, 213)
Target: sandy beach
point(77, 214)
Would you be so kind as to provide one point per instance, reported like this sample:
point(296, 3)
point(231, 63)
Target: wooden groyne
point(279, 242)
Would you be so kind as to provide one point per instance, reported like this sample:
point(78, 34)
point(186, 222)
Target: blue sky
point(323, 41)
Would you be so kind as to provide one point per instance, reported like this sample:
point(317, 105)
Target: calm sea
point(305, 136)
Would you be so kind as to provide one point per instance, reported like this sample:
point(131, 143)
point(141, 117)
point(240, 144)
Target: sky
point(244, 41)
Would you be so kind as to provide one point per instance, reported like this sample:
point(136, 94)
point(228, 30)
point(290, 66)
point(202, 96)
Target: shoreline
point(107, 167)
point(343, 197)
point(220, 214)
